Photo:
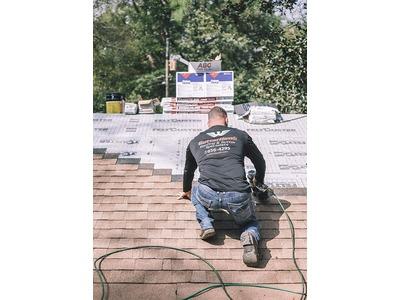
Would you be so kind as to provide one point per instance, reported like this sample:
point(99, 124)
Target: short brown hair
point(217, 112)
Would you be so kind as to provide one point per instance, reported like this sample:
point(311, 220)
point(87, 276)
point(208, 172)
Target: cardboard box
point(147, 106)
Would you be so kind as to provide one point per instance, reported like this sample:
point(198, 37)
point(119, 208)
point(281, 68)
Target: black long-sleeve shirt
point(219, 153)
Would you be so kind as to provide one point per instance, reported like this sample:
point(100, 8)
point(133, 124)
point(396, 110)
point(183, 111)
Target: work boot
point(250, 249)
point(207, 233)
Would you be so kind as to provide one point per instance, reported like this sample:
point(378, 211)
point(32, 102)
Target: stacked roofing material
point(196, 105)
point(198, 92)
point(148, 106)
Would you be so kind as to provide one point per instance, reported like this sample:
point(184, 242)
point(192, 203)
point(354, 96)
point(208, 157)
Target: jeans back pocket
point(242, 212)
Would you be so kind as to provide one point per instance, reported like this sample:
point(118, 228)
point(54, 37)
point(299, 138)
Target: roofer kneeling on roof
point(219, 153)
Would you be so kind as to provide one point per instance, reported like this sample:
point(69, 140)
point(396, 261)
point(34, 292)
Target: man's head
point(217, 116)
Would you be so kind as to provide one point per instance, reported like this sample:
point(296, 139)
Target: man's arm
point(188, 173)
point(256, 157)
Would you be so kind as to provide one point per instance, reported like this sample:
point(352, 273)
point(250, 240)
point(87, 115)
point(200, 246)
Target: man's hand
point(184, 195)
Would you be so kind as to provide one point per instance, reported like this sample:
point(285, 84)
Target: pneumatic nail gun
point(260, 191)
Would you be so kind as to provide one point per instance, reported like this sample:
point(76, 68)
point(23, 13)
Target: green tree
point(129, 50)
point(266, 52)
point(281, 74)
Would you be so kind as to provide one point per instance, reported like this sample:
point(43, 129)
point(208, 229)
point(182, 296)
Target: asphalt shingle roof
point(135, 204)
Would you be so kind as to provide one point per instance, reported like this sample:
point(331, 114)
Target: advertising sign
point(190, 85)
point(219, 84)
point(200, 85)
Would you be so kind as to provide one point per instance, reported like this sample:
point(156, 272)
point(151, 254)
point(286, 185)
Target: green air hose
point(222, 284)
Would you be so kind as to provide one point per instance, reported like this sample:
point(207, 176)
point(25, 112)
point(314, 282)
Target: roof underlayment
point(161, 140)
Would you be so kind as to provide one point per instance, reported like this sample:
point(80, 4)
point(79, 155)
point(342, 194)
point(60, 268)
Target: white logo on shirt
point(218, 133)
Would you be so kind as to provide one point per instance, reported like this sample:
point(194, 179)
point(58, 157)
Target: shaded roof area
point(136, 205)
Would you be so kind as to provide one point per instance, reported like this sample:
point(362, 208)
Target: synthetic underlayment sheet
point(162, 139)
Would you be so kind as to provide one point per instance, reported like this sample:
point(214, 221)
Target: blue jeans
point(239, 205)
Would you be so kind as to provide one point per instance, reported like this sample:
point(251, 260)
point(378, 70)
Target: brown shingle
point(140, 176)
point(140, 291)
point(104, 162)
point(148, 264)
point(97, 156)
point(113, 167)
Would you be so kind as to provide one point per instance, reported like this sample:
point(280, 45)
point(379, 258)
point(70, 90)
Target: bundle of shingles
point(195, 105)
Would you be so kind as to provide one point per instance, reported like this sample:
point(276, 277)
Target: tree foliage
point(267, 53)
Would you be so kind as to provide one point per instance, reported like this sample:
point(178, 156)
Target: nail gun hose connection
point(222, 284)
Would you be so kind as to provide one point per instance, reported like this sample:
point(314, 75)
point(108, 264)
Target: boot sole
point(208, 235)
point(250, 259)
